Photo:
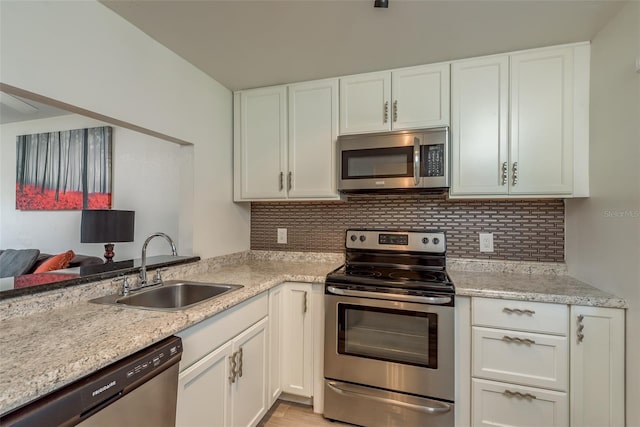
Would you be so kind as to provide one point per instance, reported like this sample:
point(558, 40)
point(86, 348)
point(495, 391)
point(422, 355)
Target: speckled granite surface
point(44, 351)
point(531, 287)
point(50, 340)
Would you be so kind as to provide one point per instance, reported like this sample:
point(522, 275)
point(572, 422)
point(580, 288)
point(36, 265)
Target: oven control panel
point(413, 241)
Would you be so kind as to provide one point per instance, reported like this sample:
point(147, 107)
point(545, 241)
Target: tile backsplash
point(523, 230)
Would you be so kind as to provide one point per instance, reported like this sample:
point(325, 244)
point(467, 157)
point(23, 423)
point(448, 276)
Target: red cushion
point(56, 262)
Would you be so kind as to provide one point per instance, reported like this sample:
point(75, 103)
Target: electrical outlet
point(486, 242)
point(282, 236)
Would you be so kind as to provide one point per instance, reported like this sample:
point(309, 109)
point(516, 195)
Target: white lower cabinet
point(542, 364)
point(597, 366)
point(223, 378)
point(503, 404)
point(291, 311)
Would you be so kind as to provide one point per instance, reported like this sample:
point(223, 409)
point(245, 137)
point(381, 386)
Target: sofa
point(28, 261)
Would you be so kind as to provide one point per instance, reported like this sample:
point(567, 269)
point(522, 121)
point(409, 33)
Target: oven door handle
point(438, 408)
point(385, 296)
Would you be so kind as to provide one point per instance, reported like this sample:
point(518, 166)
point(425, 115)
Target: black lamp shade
point(107, 226)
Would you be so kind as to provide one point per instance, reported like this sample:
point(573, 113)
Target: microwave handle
point(416, 161)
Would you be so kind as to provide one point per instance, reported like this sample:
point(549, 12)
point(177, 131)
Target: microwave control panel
point(433, 160)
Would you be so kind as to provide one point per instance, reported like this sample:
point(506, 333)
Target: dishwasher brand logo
point(103, 388)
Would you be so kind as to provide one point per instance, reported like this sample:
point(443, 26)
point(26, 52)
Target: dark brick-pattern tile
point(523, 230)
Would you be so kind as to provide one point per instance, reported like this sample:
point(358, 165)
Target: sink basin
point(173, 295)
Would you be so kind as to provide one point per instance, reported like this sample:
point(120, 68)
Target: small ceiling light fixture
point(381, 3)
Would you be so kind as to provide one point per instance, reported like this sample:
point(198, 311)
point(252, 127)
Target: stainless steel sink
point(173, 295)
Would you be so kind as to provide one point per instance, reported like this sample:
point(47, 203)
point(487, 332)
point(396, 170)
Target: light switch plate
point(486, 242)
point(282, 236)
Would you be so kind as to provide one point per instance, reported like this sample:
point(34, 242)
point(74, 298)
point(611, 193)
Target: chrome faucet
point(143, 266)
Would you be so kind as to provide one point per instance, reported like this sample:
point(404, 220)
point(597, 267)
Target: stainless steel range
point(389, 331)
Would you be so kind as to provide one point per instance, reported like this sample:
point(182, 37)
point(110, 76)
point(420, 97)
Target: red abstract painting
point(67, 170)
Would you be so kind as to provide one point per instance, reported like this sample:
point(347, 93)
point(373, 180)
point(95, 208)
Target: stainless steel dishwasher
point(139, 390)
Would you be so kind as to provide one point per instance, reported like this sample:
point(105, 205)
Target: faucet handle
point(158, 278)
point(126, 286)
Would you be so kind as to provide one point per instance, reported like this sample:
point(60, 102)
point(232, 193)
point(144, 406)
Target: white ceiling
point(244, 44)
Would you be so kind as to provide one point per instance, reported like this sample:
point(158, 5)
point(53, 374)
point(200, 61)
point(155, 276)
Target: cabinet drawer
point(209, 334)
point(495, 403)
point(520, 315)
point(524, 358)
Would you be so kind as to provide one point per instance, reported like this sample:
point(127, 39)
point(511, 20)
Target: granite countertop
point(45, 349)
point(557, 289)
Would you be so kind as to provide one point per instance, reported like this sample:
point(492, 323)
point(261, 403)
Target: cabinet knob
point(515, 173)
point(232, 368)
point(395, 111)
point(289, 180)
point(281, 181)
point(579, 333)
point(386, 112)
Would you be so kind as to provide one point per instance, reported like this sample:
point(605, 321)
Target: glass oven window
point(400, 336)
point(374, 163)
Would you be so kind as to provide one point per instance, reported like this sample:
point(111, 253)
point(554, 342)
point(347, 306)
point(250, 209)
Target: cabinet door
point(203, 391)
point(276, 297)
point(501, 404)
point(542, 122)
point(263, 138)
point(313, 129)
point(249, 391)
point(479, 135)
point(364, 103)
point(597, 366)
point(297, 337)
point(420, 97)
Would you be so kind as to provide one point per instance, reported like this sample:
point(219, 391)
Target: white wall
point(81, 53)
point(603, 231)
point(145, 180)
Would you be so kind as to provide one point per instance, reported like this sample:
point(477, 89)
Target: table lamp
point(107, 226)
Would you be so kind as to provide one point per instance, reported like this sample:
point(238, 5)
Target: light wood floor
point(289, 414)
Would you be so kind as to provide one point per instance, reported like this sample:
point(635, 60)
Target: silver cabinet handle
point(416, 161)
point(281, 181)
point(289, 180)
point(505, 174)
point(304, 305)
point(580, 328)
point(515, 173)
point(232, 367)
point(437, 408)
point(519, 395)
point(518, 311)
point(518, 340)
point(385, 295)
point(395, 111)
point(386, 112)
point(239, 355)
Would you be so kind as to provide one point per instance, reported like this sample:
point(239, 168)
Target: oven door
point(399, 346)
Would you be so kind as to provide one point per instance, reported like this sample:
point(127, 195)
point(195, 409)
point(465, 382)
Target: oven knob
point(436, 240)
point(363, 238)
point(425, 240)
point(354, 237)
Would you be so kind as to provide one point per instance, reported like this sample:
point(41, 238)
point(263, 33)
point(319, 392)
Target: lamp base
point(108, 252)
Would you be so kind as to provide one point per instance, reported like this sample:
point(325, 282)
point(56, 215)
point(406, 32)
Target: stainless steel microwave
point(412, 159)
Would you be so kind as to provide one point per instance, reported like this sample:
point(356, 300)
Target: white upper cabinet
point(408, 98)
point(284, 145)
point(261, 140)
point(313, 130)
point(420, 97)
point(479, 125)
point(520, 124)
point(542, 122)
point(364, 103)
